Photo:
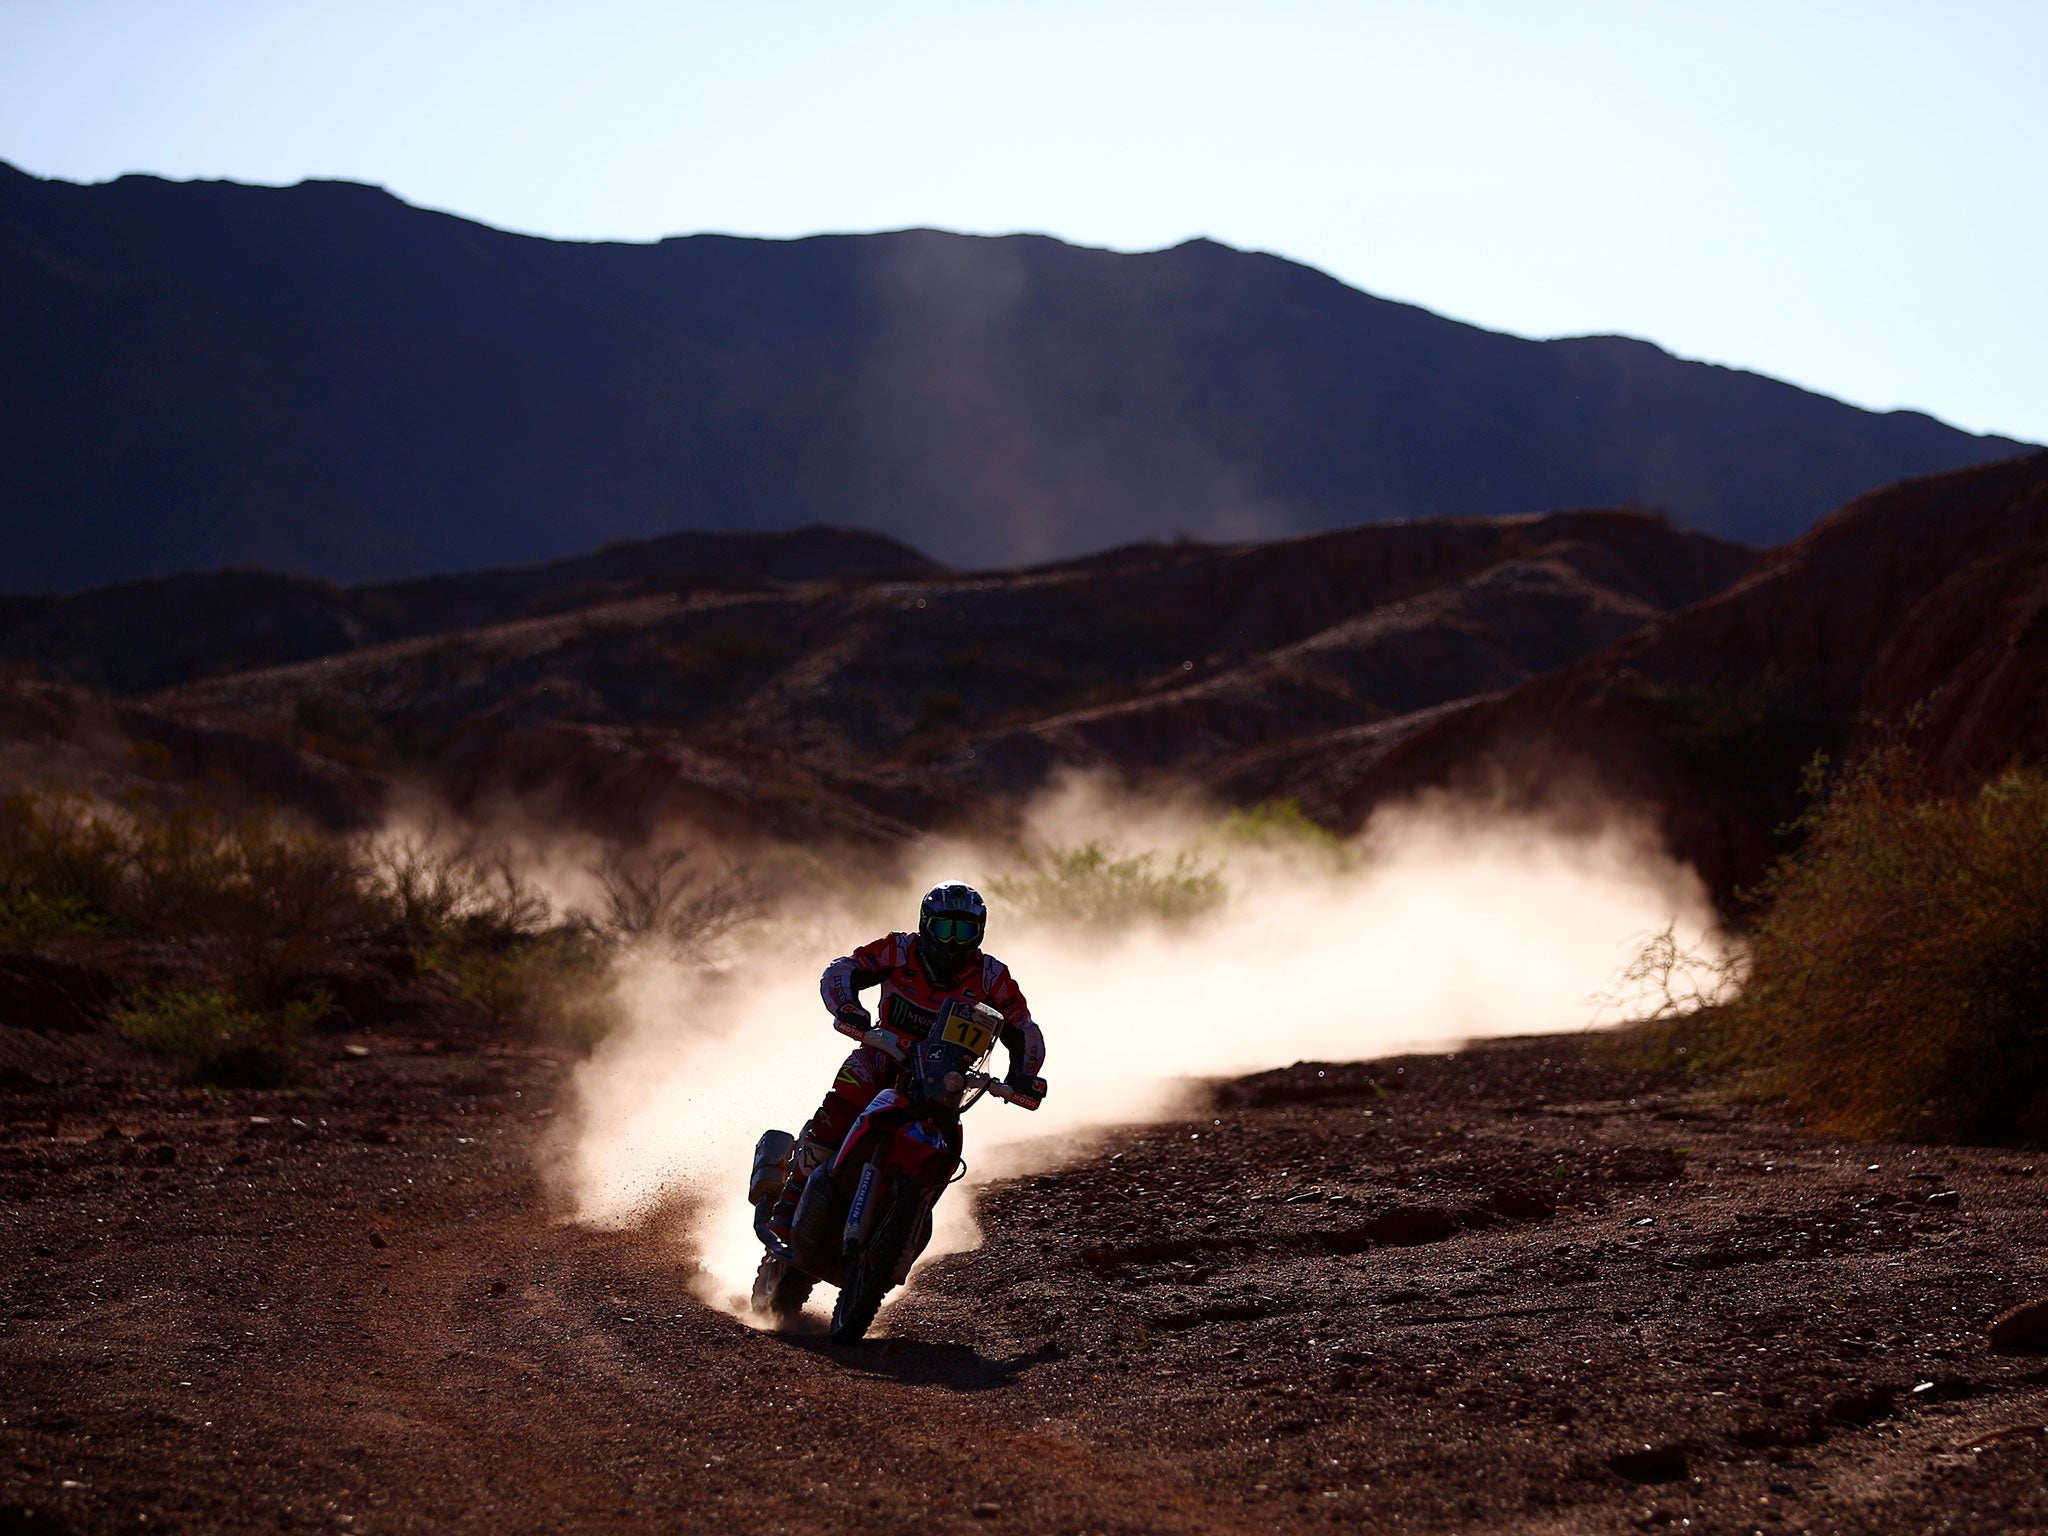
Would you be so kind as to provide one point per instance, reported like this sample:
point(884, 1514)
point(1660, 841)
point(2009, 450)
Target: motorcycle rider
point(918, 974)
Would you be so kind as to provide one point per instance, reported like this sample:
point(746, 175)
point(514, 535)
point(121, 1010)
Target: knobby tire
point(873, 1272)
point(789, 1290)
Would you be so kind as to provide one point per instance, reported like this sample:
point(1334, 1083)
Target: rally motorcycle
point(865, 1216)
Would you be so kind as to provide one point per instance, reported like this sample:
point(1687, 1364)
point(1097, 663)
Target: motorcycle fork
point(861, 1212)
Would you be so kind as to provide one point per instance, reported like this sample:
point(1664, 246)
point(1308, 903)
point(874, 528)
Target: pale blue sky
point(1853, 196)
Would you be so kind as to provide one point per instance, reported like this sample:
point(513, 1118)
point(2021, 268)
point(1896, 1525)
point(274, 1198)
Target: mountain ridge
point(140, 636)
point(869, 708)
point(325, 378)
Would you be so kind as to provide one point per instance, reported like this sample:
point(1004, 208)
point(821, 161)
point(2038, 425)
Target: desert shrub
point(270, 898)
point(1098, 885)
point(1899, 969)
point(29, 918)
point(554, 984)
point(219, 1039)
point(1760, 725)
point(63, 868)
point(452, 890)
point(664, 895)
point(473, 918)
point(1670, 998)
point(266, 911)
point(1280, 824)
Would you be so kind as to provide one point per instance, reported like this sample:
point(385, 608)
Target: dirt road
point(1508, 1290)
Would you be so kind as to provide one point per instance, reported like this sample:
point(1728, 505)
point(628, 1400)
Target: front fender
point(871, 1120)
point(921, 1152)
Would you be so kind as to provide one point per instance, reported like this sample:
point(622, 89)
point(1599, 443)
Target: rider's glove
point(1025, 1086)
point(853, 1020)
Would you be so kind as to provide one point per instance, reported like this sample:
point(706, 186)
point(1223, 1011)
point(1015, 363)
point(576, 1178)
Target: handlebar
point(886, 1042)
point(997, 1088)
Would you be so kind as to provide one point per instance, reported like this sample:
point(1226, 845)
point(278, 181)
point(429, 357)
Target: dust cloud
point(1441, 923)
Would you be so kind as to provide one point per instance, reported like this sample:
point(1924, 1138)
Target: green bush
point(1097, 885)
point(265, 910)
point(1898, 978)
point(266, 897)
point(219, 1040)
point(29, 918)
point(269, 898)
point(1281, 824)
point(63, 868)
point(553, 984)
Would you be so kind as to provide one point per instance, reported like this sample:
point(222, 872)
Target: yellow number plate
point(965, 1030)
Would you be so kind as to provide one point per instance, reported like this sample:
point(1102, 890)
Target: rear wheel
point(780, 1290)
point(869, 1277)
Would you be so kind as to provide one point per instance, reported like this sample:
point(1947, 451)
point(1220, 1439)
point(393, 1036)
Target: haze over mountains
point(872, 705)
point(325, 380)
point(835, 690)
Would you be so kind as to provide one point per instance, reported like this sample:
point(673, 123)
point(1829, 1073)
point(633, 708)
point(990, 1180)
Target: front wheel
point(870, 1275)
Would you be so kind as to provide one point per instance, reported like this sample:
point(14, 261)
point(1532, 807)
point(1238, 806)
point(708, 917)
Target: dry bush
point(1098, 886)
point(442, 889)
point(471, 916)
point(264, 910)
point(1669, 997)
point(660, 895)
point(269, 899)
point(1899, 973)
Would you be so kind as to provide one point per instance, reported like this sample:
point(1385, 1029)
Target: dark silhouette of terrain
point(1917, 614)
point(323, 379)
point(136, 637)
point(825, 685)
point(871, 708)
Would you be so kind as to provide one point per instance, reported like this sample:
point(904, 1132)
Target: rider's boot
point(782, 1218)
point(803, 1157)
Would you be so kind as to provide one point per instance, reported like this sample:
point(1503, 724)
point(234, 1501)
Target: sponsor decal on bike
point(857, 1213)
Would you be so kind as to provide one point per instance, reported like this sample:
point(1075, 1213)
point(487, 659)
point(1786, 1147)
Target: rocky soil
point(1513, 1289)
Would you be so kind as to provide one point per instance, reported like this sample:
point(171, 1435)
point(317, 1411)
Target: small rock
point(987, 1511)
point(357, 1051)
point(166, 1154)
point(113, 1133)
point(45, 1251)
point(2021, 1330)
point(1650, 1464)
point(1944, 1199)
point(499, 1287)
point(379, 1240)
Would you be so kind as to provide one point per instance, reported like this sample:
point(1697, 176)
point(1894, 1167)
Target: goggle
point(956, 930)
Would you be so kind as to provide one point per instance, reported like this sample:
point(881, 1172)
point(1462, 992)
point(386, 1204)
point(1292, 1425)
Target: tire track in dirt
point(1448, 1304)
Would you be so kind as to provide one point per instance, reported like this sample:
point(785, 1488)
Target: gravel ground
point(1506, 1290)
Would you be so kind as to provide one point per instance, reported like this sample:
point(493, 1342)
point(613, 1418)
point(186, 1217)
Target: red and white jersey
point(911, 999)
